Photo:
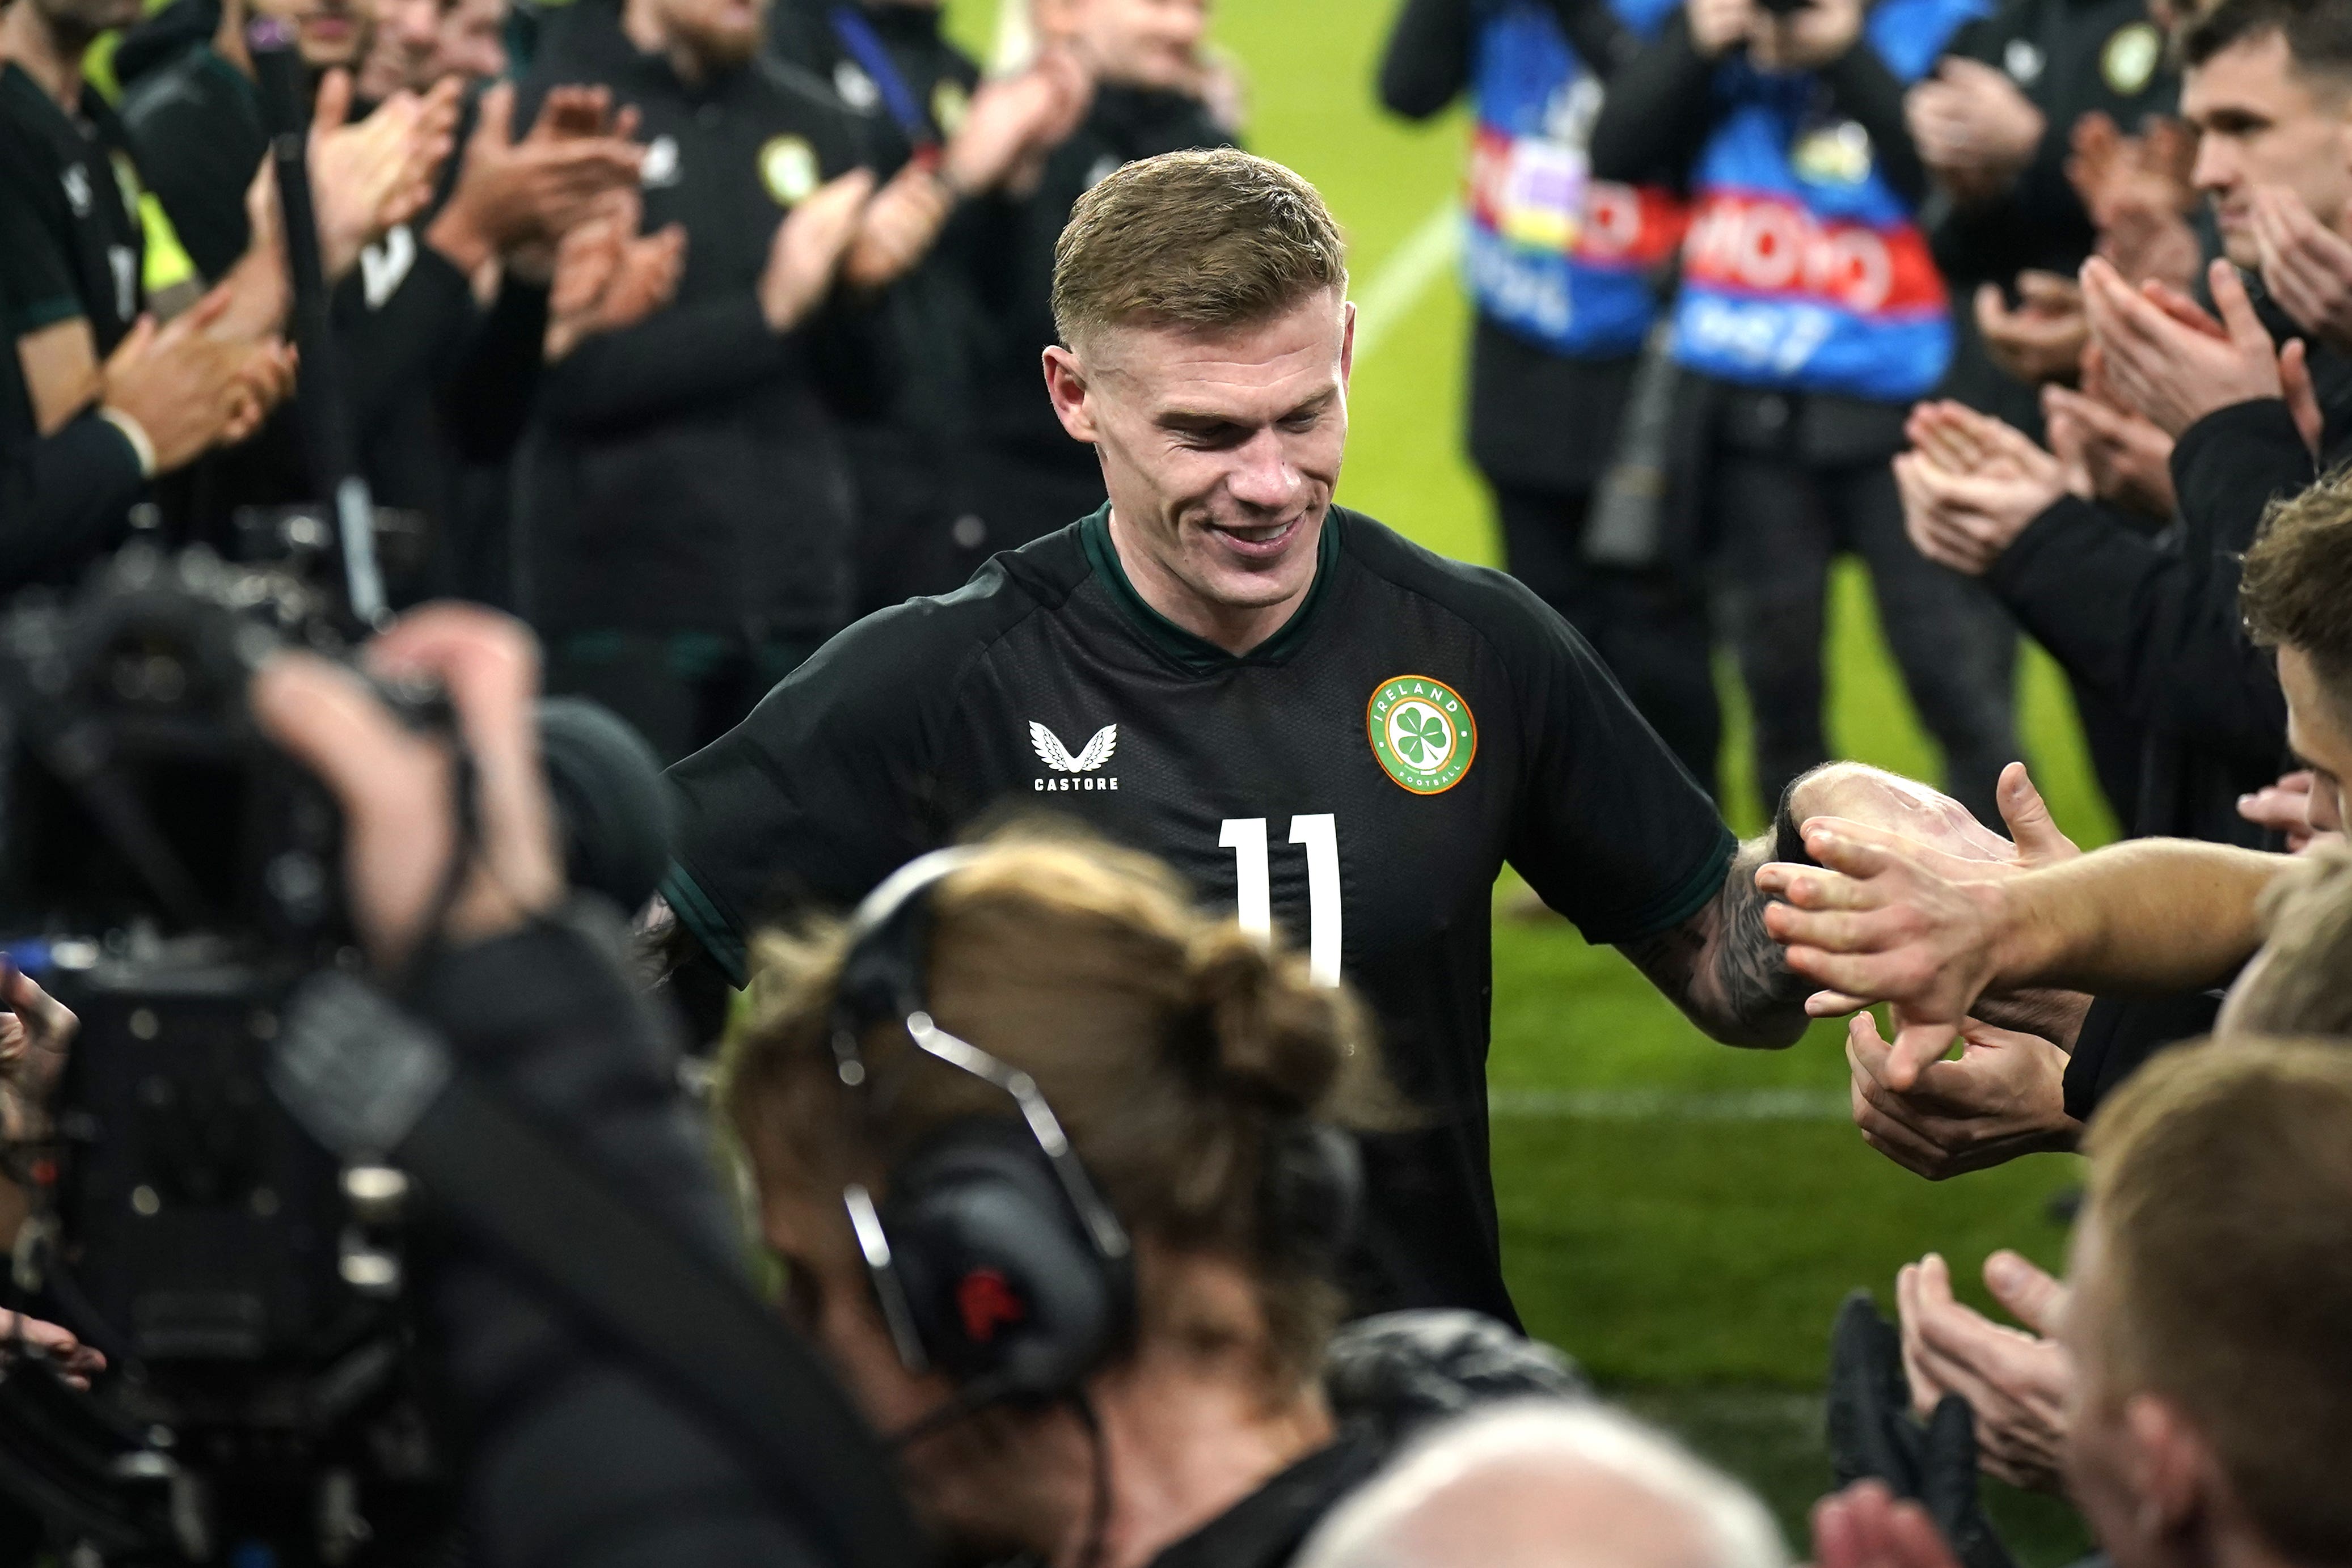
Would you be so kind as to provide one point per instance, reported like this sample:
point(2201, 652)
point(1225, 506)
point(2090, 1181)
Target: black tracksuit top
point(1362, 778)
point(686, 473)
point(70, 246)
point(2071, 58)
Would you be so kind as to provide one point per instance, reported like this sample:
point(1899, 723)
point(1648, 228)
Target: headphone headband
point(1001, 1304)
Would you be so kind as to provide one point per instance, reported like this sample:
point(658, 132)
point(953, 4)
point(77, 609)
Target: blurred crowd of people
point(583, 261)
point(2039, 309)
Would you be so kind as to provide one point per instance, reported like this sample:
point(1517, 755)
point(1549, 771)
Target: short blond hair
point(2222, 1186)
point(1205, 240)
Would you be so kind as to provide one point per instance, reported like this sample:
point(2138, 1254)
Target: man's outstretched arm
point(1723, 966)
point(1877, 920)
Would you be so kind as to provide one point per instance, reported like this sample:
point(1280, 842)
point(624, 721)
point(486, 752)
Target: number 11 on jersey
point(1320, 834)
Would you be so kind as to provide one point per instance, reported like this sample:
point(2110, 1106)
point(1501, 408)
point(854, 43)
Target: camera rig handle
point(319, 404)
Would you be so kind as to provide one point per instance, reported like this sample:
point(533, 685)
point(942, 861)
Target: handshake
point(1998, 944)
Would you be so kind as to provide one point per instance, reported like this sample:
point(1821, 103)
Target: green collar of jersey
point(1198, 654)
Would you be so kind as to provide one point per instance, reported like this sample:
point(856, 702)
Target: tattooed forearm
point(1722, 969)
point(1751, 970)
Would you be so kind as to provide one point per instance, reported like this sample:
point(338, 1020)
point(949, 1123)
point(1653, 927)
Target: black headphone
point(993, 1259)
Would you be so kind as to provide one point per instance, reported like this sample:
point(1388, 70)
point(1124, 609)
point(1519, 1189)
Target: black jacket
point(1659, 112)
point(2070, 57)
point(574, 1453)
point(1014, 245)
point(431, 381)
point(2153, 626)
point(687, 473)
point(932, 313)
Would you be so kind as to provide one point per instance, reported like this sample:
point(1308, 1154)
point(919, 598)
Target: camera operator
point(1810, 315)
point(574, 1453)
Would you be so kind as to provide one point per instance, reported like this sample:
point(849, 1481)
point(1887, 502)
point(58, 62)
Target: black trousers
point(1779, 522)
point(1650, 627)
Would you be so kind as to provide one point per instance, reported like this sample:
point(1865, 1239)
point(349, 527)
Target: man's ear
point(1066, 383)
point(1346, 341)
point(2173, 1469)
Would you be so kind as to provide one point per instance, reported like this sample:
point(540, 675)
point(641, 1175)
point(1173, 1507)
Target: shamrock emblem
point(1420, 735)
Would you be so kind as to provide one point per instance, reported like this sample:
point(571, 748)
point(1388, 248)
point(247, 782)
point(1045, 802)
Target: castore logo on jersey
point(1081, 767)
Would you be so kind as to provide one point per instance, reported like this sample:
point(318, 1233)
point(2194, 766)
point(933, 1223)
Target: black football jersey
point(73, 176)
point(1360, 780)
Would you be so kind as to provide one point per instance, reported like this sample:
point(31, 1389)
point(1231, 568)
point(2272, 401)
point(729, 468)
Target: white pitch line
point(1671, 1106)
point(1405, 275)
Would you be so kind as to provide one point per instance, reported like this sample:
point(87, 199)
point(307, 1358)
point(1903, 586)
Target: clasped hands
point(1908, 927)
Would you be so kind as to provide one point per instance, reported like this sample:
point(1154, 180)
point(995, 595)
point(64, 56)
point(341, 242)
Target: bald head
point(1547, 1485)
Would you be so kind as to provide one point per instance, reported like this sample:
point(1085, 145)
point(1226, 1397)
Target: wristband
point(141, 447)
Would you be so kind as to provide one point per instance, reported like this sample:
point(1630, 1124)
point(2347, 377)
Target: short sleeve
point(825, 790)
point(1612, 830)
point(36, 276)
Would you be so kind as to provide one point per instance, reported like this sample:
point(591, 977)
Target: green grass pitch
point(1681, 1217)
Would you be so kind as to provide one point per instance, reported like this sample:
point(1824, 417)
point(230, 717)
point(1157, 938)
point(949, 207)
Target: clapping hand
point(2015, 1381)
point(1015, 120)
point(192, 389)
point(811, 243)
point(1971, 485)
point(1973, 126)
point(2306, 265)
point(2137, 192)
point(2107, 451)
point(608, 276)
point(371, 177)
point(513, 195)
point(2043, 339)
point(2168, 359)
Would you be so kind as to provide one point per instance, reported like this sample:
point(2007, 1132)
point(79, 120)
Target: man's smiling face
point(1220, 448)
